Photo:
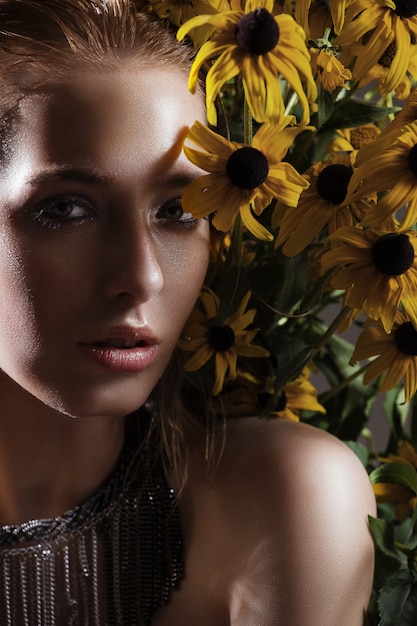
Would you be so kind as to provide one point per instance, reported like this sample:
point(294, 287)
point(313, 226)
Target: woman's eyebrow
point(183, 179)
point(89, 176)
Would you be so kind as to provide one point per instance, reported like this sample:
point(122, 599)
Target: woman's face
point(99, 267)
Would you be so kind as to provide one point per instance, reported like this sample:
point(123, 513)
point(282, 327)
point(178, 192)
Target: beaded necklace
point(112, 561)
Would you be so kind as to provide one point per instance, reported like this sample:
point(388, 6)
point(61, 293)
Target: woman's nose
point(132, 263)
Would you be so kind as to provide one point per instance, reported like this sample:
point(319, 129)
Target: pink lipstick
point(123, 349)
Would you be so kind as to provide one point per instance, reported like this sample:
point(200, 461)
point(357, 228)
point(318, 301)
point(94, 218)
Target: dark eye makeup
point(173, 211)
point(66, 209)
point(63, 209)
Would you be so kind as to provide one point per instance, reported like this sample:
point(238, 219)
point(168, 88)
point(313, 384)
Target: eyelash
point(41, 213)
point(186, 218)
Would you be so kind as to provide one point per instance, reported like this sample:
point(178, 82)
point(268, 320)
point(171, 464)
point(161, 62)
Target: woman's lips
point(127, 351)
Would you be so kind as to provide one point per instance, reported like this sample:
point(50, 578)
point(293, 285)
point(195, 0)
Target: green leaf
point(334, 359)
point(352, 113)
point(397, 413)
point(383, 534)
point(325, 106)
point(406, 534)
point(413, 420)
point(387, 558)
point(292, 369)
point(231, 289)
point(360, 450)
point(349, 409)
point(398, 473)
point(397, 601)
point(279, 281)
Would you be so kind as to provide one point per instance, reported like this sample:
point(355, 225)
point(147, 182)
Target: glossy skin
point(122, 263)
point(278, 536)
point(95, 253)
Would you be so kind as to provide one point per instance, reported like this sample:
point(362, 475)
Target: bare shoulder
point(281, 435)
point(291, 458)
point(285, 519)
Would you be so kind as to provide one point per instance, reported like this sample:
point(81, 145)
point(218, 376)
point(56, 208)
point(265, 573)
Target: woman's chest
point(193, 604)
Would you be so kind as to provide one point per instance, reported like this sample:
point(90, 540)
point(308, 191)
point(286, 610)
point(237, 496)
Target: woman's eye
point(173, 210)
point(63, 209)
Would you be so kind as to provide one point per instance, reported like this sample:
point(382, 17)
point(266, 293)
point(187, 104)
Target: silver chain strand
point(113, 561)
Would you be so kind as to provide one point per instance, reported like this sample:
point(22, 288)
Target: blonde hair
point(41, 41)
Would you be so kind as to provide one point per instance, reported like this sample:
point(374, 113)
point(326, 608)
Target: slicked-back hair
point(43, 40)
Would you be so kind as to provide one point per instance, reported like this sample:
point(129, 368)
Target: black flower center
point(221, 338)
point(406, 339)
point(333, 181)
point(247, 168)
point(405, 8)
point(412, 160)
point(393, 254)
point(257, 32)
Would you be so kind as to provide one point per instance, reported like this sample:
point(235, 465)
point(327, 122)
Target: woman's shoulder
point(276, 451)
point(284, 463)
point(285, 516)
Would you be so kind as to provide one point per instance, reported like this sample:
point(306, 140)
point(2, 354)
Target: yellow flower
point(396, 353)
point(239, 5)
point(404, 498)
point(384, 22)
point(377, 270)
point(261, 47)
point(353, 139)
point(373, 149)
point(239, 398)
point(241, 177)
point(380, 72)
point(328, 70)
point(245, 396)
point(322, 204)
point(207, 335)
point(180, 11)
point(390, 165)
point(312, 15)
point(405, 454)
point(298, 395)
point(406, 115)
point(347, 321)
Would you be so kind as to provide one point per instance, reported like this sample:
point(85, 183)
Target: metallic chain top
point(112, 561)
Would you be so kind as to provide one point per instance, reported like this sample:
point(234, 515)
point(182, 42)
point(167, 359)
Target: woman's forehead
point(113, 120)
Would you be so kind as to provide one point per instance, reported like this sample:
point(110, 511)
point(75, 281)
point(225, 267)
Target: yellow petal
point(210, 302)
point(209, 140)
point(199, 359)
point(253, 226)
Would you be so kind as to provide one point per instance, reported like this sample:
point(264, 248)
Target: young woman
point(99, 270)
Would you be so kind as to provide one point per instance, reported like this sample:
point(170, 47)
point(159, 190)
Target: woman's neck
point(50, 462)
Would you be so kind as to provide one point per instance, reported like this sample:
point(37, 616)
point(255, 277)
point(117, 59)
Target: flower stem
point(237, 241)
point(291, 103)
point(296, 365)
point(344, 383)
point(331, 330)
point(237, 228)
point(247, 124)
point(313, 297)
